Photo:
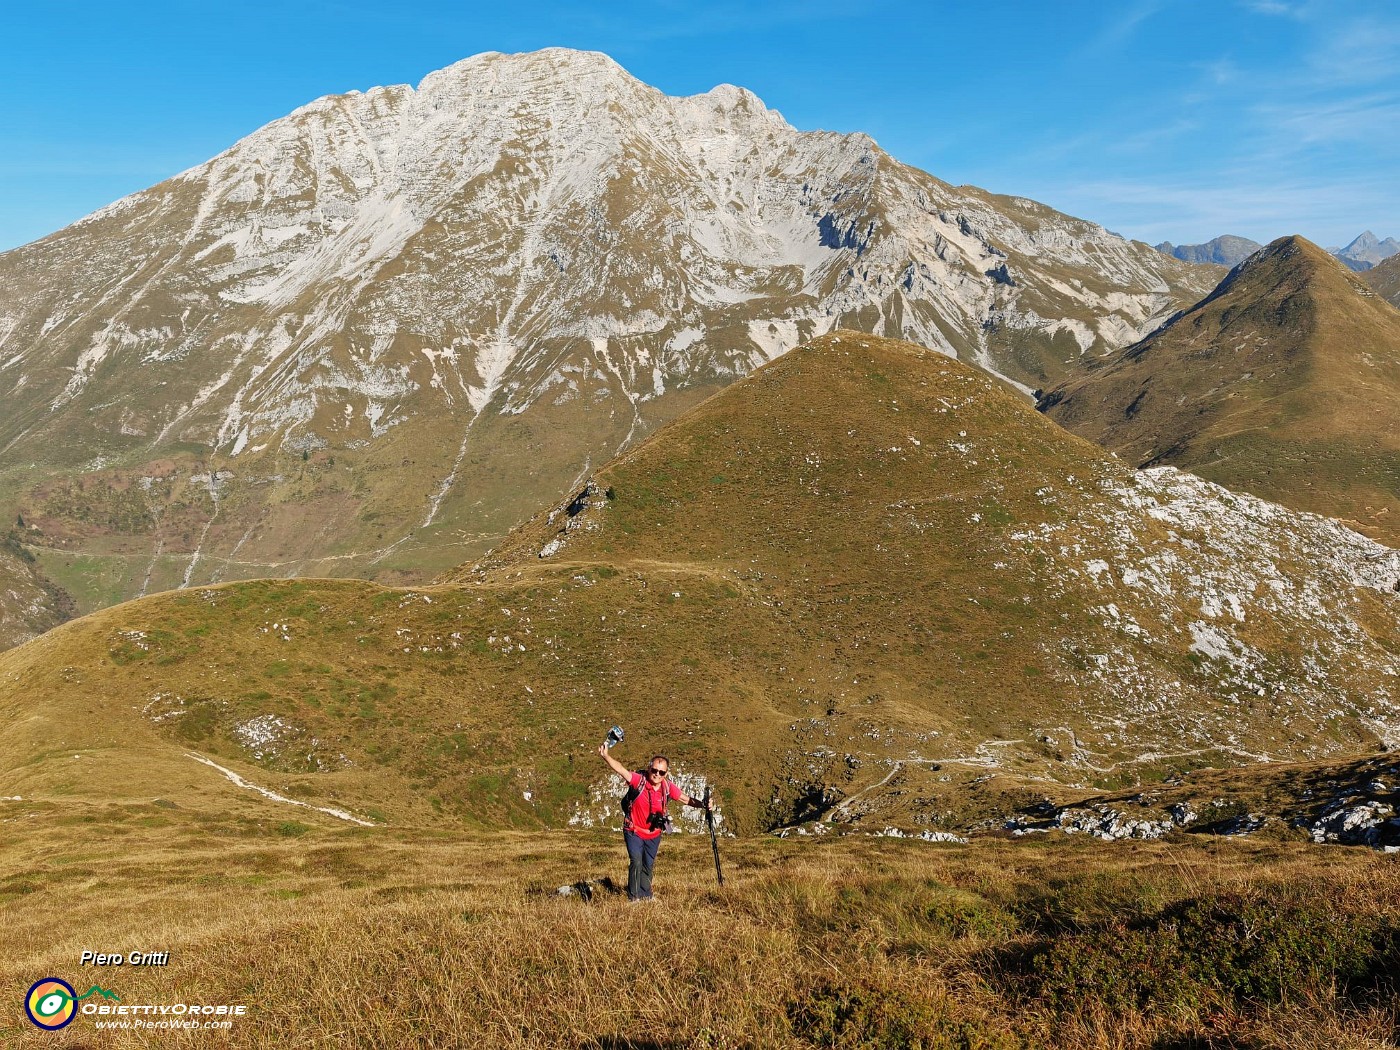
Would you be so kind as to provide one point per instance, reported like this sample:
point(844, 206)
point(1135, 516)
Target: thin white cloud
point(1362, 51)
point(1275, 7)
point(1117, 32)
point(1372, 120)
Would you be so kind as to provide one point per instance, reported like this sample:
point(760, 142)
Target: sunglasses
point(656, 772)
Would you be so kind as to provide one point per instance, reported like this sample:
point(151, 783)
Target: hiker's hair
point(663, 758)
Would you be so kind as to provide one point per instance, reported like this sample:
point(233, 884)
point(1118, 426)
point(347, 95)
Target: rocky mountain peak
point(425, 310)
point(1367, 251)
point(1366, 240)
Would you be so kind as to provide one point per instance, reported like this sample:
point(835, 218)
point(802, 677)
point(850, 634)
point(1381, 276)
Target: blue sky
point(1162, 120)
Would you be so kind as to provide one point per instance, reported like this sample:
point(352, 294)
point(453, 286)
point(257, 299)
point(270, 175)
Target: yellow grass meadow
point(377, 937)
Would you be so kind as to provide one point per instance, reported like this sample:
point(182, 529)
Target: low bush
point(872, 1016)
point(1220, 951)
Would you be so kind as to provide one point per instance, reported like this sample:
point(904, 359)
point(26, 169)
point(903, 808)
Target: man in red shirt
point(646, 819)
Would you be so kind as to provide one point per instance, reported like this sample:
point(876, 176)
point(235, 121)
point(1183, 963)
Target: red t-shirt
point(649, 800)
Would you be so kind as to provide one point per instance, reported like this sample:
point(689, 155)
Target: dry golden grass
point(395, 939)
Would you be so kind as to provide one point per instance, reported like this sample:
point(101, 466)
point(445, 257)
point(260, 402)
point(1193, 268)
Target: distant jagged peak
point(1368, 242)
point(1367, 250)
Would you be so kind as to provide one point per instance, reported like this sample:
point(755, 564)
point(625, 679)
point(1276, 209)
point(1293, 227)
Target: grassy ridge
point(1282, 382)
point(1385, 279)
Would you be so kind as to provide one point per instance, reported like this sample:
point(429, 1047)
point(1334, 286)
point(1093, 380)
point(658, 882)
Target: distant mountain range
point(1361, 254)
point(371, 336)
point(1366, 251)
point(1283, 382)
point(1222, 251)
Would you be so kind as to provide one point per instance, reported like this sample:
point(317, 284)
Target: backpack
point(631, 795)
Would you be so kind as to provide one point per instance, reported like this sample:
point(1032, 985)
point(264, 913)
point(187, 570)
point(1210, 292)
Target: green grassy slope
point(849, 586)
point(1282, 383)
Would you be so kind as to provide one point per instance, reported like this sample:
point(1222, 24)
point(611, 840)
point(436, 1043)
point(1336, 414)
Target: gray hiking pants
point(641, 859)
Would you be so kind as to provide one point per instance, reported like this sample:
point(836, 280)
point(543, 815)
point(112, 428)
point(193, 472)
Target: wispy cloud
point(1151, 139)
point(1362, 51)
point(1372, 120)
point(1126, 21)
point(1281, 8)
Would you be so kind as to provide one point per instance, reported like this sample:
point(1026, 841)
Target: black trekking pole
point(714, 843)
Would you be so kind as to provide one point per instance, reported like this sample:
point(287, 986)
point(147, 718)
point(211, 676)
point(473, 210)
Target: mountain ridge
point(1225, 250)
point(1279, 383)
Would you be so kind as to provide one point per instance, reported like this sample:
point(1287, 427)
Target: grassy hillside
point(1283, 383)
point(848, 588)
point(865, 590)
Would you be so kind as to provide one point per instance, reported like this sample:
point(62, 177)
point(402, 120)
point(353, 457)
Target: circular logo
point(51, 1003)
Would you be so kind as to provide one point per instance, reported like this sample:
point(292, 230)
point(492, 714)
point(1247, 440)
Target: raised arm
point(617, 767)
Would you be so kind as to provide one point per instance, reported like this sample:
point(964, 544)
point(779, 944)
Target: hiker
point(644, 821)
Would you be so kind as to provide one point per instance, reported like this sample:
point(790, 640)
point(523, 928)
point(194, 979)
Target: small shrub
point(198, 721)
point(1222, 951)
point(958, 915)
point(872, 1016)
point(1084, 902)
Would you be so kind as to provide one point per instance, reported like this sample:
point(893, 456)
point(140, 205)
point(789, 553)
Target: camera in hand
point(656, 821)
